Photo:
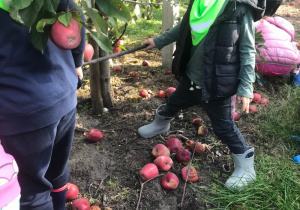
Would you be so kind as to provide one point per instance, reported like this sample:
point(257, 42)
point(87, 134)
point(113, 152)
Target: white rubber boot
point(160, 125)
point(244, 172)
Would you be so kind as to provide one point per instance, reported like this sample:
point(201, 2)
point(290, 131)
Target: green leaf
point(76, 17)
point(114, 8)
point(65, 19)
point(29, 14)
point(44, 22)
point(102, 41)
point(51, 5)
point(19, 4)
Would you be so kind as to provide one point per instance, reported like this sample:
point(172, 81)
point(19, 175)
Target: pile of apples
point(72, 194)
point(163, 162)
point(160, 94)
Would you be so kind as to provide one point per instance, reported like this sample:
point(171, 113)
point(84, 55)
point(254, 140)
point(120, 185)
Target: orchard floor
point(107, 172)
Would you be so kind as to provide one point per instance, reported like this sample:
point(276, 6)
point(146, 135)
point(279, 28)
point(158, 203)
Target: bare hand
point(79, 72)
point(150, 44)
point(246, 102)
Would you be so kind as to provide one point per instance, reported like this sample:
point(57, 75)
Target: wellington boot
point(244, 172)
point(160, 125)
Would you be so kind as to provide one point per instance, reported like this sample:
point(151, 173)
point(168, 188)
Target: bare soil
point(107, 172)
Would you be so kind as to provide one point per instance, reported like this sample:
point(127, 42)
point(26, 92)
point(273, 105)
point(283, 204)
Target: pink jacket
point(282, 53)
point(9, 185)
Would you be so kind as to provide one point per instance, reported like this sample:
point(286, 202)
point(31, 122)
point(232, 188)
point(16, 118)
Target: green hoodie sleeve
point(247, 56)
point(168, 37)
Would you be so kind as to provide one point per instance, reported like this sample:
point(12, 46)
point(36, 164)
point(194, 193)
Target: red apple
point(163, 162)
point(94, 135)
point(264, 102)
point(168, 72)
point(292, 3)
point(235, 116)
point(144, 93)
point(192, 176)
point(299, 2)
point(159, 150)
point(117, 50)
point(173, 144)
point(149, 171)
point(66, 38)
point(145, 63)
point(120, 42)
point(170, 90)
point(81, 204)
point(197, 122)
point(252, 108)
point(118, 69)
point(183, 155)
point(256, 97)
point(169, 181)
point(288, 14)
point(72, 191)
point(202, 130)
point(161, 94)
point(88, 52)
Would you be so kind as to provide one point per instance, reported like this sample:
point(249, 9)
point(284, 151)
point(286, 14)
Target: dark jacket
point(221, 57)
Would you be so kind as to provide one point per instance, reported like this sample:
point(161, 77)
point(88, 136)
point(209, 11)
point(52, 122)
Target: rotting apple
point(168, 72)
point(88, 52)
point(170, 90)
point(173, 144)
point(170, 181)
point(159, 150)
point(256, 97)
point(66, 38)
point(149, 171)
point(192, 176)
point(197, 121)
point(81, 204)
point(252, 108)
point(183, 156)
point(163, 162)
point(235, 116)
point(144, 93)
point(72, 191)
point(94, 135)
point(202, 130)
point(118, 69)
point(161, 94)
point(145, 63)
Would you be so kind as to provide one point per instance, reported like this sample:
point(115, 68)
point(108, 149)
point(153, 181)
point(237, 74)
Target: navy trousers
point(219, 111)
point(42, 156)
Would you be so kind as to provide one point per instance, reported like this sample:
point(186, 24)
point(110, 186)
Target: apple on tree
point(170, 181)
point(88, 52)
point(66, 38)
point(120, 42)
point(117, 50)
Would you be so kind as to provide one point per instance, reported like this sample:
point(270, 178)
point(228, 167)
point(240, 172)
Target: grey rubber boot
point(244, 172)
point(160, 125)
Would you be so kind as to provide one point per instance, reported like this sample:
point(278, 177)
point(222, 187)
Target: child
point(9, 185)
point(214, 60)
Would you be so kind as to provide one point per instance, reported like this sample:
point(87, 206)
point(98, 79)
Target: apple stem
point(141, 190)
point(187, 174)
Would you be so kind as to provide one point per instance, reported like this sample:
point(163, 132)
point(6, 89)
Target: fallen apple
point(173, 144)
point(161, 94)
point(202, 130)
point(168, 72)
point(118, 69)
point(88, 52)
point(252, 108)
point(95, 208)
point(263, 102)
point(183, 156)
point(149, 171)
point(169, 181)
point(199, 148)
point(145, 63)
point(292, 3)
point(288, 14)
point(72, 191)
point(66, 38)
point(235, 116)
point(159, 150)
point(197, 122)
point(163, 162)
point(256, 97)
point(192, 176)
point(81, 204)
point(144, 93)
point(94, 135)
point(170, 90)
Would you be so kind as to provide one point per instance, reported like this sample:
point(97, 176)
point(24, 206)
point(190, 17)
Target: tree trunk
point(105, 80)
point(96, 96)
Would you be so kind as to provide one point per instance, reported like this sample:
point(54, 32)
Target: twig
point(143, 3)
point(183, 137)
point(142, 186)
point(121, 34)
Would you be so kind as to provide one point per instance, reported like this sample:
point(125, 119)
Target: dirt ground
point(107, 172)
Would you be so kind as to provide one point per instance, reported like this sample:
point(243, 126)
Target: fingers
point(246, 103)
point(79, 72)
point(150, 44)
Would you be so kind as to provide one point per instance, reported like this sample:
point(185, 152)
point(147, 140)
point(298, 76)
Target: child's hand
point(79, 72)
point(246, 102)
point(150, 44)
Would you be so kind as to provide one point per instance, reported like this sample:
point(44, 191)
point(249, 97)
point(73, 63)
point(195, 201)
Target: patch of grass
point(278, 183)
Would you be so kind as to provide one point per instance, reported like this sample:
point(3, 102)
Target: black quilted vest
point(221, 64)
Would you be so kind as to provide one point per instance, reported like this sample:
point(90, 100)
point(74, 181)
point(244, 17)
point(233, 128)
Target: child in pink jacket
point(9, 185)
point(282, 54)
